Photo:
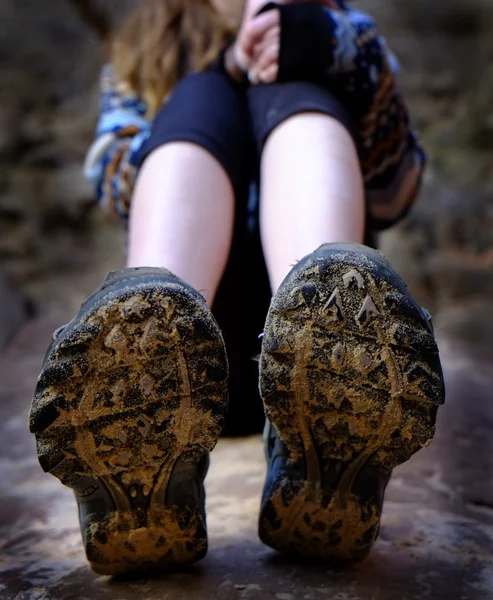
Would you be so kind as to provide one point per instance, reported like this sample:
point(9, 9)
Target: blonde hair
point(165, 39)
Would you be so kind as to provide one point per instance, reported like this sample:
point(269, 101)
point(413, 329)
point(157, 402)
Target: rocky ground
point(436, 540)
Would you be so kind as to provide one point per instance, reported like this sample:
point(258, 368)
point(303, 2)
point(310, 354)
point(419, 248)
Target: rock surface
point(13, 311)
point(436, 540)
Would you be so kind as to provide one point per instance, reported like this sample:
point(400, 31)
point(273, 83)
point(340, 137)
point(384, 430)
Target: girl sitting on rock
point(302, 103)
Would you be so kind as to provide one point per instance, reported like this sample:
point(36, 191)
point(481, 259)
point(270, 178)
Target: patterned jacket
point(358, 67)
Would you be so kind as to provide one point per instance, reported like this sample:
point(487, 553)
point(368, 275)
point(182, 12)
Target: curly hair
point(162, 40)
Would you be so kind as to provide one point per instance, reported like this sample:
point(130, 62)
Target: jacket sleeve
point(112, 160)
point(341, 49)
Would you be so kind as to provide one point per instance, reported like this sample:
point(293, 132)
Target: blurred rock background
point(55, 244)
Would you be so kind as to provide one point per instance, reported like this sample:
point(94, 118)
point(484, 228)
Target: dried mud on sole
point(351, 379)
point(136, 383)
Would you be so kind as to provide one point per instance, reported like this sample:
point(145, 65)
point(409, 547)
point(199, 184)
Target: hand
point(264, 67)
point(256, 50)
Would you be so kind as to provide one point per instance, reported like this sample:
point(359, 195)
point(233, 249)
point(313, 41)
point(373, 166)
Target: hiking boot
point(130, 401)
point(351, 381)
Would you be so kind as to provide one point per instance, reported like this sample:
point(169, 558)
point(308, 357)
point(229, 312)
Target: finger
point(272, 35)
point(252, 77)
point(255, 29)
point(269, 75)
point(269, 56)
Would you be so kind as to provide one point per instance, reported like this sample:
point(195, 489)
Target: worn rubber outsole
point(351, 379)
point(133, 391)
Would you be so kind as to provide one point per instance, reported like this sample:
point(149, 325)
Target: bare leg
point(182, 216)
point(311, 191)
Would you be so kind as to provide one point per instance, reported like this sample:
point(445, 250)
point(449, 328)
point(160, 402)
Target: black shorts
point(215, 113)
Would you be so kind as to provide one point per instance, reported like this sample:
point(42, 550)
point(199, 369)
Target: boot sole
point(351, 379)
point(136, 383)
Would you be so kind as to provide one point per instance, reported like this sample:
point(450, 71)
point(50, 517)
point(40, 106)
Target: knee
point(275, 105)
point(207, 110)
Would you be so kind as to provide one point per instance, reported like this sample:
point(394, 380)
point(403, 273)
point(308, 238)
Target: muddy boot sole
point(351, 380)
point(131, 398)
